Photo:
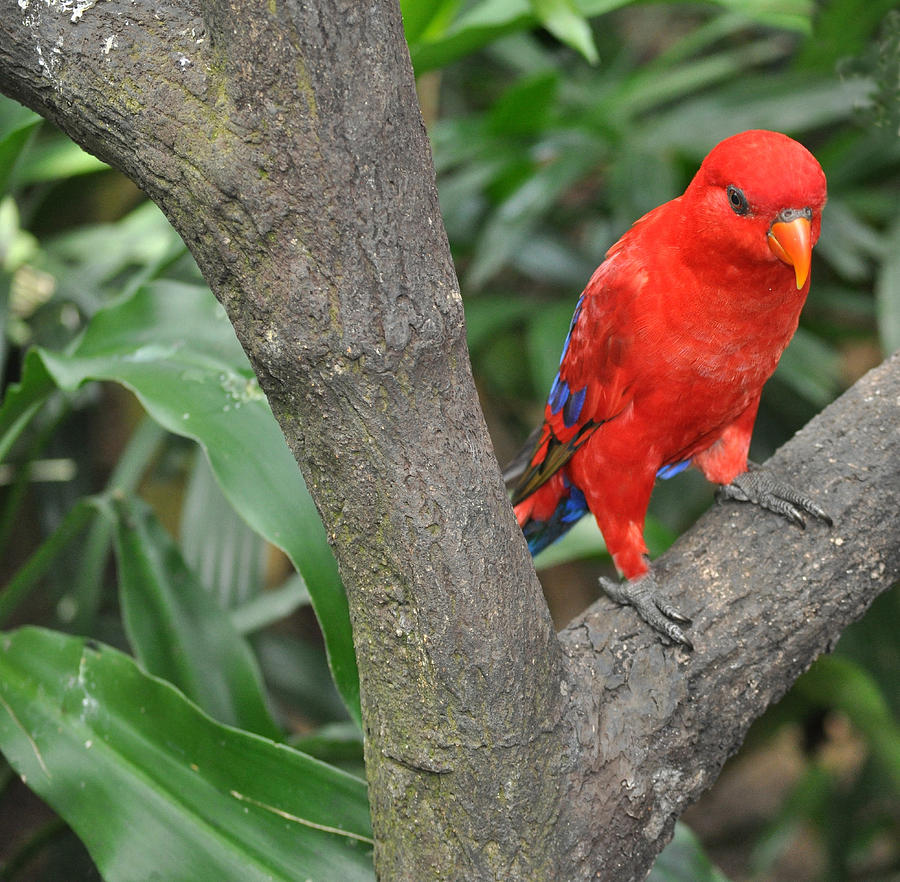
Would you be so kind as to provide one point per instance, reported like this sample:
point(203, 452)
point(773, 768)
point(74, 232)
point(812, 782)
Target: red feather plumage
point(674, 336)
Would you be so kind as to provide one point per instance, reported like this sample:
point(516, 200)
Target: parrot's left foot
point(656, 611)
point(761, 489)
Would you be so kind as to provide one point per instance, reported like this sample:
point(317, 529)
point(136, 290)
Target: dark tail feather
point(569, 510)
point(522, 459)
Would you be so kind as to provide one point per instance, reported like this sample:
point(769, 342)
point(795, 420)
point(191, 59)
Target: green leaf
point(842, 30)
point(55, 159)
point(887, 294)
point(488, 316)
point(839, 682)
point(476, 27)
point(216, 542)
point(46, 556)
point(512, 223)
point(94, 265)
point(23, 400)
point(336, 741)
point(427, 19)
point(563, 20)
point(270, 606)
point(17, 125)
point(848, 242)
point(789, 103)
point(339, 744)
point(178, 631)
point(810, 367)
point(173, 346)
point(544, 339)
point(584, 540)
point(297, 670)
point(684, 860)
point(793, 15)
point(488, 21)
point(525, 108)
point(157, 790)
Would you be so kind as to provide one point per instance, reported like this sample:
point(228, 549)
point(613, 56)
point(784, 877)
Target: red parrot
point(665, 360)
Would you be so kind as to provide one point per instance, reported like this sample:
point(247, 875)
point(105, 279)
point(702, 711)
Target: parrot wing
point(592, 386)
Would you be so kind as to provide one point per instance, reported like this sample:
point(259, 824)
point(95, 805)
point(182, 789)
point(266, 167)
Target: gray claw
point(657, 612)
point(761, 489)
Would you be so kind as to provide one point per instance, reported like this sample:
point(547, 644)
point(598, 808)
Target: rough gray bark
point(285, 144)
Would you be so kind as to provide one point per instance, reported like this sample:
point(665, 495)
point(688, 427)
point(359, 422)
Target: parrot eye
point(737, 200)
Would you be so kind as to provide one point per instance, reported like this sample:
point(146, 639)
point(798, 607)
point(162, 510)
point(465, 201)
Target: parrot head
point(759, 195)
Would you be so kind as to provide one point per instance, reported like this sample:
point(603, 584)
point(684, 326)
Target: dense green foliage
point(555, 123)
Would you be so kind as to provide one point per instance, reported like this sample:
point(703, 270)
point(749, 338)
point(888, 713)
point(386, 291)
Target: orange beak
point(790, 242)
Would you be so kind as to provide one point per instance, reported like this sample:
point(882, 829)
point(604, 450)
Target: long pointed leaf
point(172, 345)
point(157, 790)
point(566, 23)
point(178, 630)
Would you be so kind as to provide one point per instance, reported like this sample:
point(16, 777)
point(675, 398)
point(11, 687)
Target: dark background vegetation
point(544, 158)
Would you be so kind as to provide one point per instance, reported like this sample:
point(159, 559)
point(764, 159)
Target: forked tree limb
point(285, 144)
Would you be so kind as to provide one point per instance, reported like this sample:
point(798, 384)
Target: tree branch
point(766, 598)
point(285, 144)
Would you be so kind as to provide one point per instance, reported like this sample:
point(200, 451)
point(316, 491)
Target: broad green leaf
point(848, 242)
point(45, 557)
point(156, 789)
point(173, 346)
point(476, 27)
point(339, 744)
point(485, 22)
point(178, 631)
point(86, 592)
point(563, 20)
point(94, 265)
point(336, 741)
point(659, 85)
point(871, 643)
point(544, 339)
point(842, 30)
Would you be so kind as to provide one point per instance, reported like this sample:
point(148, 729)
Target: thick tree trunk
point(285, 144)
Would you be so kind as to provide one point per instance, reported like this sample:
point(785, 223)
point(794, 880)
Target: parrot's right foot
point(658, 613)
